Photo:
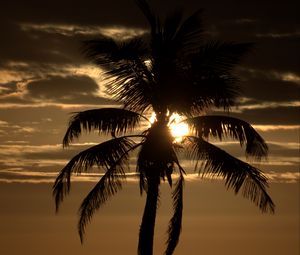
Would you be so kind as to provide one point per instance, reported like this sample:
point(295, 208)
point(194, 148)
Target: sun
point(177, 127)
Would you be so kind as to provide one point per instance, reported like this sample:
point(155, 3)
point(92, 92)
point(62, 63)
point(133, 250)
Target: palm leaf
point(217, 90)
point(219, 57)
point(176, 221)
point(100, 51)
point(237, 174)
point(105, 120)
point(131, 88)
point(103, 155)
point(223, 126)
point(152, 19)
point(127, 75)
point(171, 25)
point(210, 81)
point(203, 90)
point(109, 54)
point(109, 185)
point(190, 34)
point(191, 87)
point(191, 97)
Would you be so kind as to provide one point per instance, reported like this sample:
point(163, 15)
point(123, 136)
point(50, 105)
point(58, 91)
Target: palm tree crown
point(175, 71)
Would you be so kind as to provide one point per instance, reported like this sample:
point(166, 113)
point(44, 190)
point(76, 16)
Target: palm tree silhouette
point(175, 71)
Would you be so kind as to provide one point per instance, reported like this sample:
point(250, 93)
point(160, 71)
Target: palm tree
point(175, 71)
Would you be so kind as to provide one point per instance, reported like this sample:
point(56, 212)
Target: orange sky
point(214, 222)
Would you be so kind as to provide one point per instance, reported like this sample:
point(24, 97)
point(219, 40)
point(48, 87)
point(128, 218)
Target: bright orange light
point(152, 118)
point(178, 128)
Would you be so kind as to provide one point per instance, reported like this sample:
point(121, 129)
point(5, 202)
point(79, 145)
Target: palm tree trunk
point(146, 235)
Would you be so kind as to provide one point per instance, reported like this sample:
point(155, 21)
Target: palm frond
point(203, 90)
point(126, 75)
point(196, 96)
point(105, 121)
point(220, 91)
point(224, 126)
point(176, 221)
point(109, 54)
point(190, 33)
point(109, 185)
point(171, 25)
point(211, 81)
point(237, 174)
point(103, 155)
point(219, 57)
point(148, 13)
point(100, 50)
point(132, 89)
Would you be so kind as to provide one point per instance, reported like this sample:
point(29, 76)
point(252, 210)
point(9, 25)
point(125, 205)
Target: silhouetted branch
point(190, 34)
point(109, 54)
point(223, 126)
point(237, 174)
point(109, 184)
point(105, 121)
point(148, 13)
point(220, 57)
point(104, 155)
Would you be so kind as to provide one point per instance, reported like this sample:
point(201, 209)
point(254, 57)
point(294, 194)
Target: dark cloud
point(126, 12)
point(56, 152)
point(78, 12)
point(37, 46)
point(265, 86)
point(8, 88)
point(68, 90)
point(59, 87)
point(16, 101)
point(88, 99)
point(275, 53)
point(283, 150)
point(281, 135)
point(36, 117)
point(271, 116)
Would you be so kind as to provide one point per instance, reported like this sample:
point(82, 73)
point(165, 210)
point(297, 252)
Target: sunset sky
point(44, 78)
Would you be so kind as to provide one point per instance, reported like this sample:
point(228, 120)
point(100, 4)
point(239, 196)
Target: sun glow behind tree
point(176, 124)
